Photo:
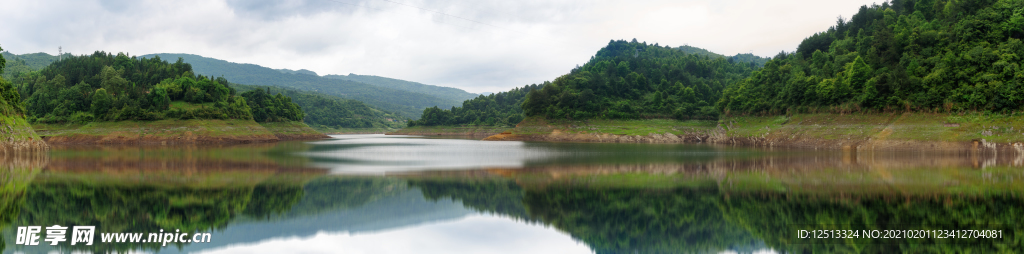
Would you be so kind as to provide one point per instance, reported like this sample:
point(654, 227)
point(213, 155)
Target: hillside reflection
point(649, 199)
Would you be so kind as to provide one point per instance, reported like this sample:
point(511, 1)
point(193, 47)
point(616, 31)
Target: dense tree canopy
point(25, 63)
point(637, 80)
point(929, 55)
point(105, 87)
point(272, 108)
point(400, 97)
point(446, 93)
point(500, 109)
point(744, 58)
point(10, 100)
point(332, 112)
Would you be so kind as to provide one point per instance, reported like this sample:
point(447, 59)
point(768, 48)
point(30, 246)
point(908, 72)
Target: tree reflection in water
point(740, 204)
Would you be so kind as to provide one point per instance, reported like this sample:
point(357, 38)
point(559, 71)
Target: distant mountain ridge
point(24, 63)
point(406, 103)
point(300, 71)
point(449, 93)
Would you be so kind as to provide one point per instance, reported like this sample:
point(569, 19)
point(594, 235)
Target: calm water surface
point(406, 194)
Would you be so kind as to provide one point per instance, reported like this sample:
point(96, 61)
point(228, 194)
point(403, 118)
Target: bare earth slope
point(948, 132)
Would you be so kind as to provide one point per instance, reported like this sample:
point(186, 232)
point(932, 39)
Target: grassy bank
point(293, 131)
point(450, 130)
point(17, 134)
point(157, 132)
point(862, 131)
point(15, 129)
point(908, 127)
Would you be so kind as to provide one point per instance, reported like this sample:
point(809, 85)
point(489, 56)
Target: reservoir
point(414, 194)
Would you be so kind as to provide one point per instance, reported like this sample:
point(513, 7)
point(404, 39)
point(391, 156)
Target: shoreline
point(475, 131)
point(287, 131)
point(174, 132)
point(909, 132)
point(16, 135)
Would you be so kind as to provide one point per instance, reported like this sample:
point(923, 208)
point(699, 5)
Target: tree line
point(331, 112)
point(903, 55)
point(105, 87)
point(10, 100)
point(625, 80)
point(404, 98)
point(631, 80)
point(499, 109)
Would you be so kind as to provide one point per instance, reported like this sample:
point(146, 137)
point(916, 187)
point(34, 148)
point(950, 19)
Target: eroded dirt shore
point(184, 138)
point(873, 132)
point(795, 142)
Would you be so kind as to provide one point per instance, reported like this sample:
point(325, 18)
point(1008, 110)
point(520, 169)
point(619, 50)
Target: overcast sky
point(475, 45)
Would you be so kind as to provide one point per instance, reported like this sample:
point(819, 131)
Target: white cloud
point(474, 45)
point(473, 234)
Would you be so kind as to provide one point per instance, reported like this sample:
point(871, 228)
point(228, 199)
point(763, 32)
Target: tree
point(111, 80)
point(159, 100)
point(3, 62)
point(101, 102)
point(267, 108)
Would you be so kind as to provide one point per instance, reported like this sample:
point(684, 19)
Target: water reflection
point(16, 172)
point(374, 154)
point(510, 197)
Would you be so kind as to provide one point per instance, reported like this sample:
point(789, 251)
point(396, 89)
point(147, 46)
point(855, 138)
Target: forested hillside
point(745, 58)
point(408, 104)
point(18, 64)
point(10, 100)
point(500, 109)
point(326, 112)
point(105, 87)
point(907, 55)
point(630, 80)
point(447, 93)
point(302, 71)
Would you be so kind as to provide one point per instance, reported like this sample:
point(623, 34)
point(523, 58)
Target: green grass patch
point(535, 125)
point(15, 129)
point(958, 127)
point(290, 128)
point(160, 128)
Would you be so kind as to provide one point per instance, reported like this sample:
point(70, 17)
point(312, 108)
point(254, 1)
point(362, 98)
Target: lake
point(408, 194)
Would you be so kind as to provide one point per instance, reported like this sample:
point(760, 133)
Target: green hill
point(923, 56)
point(19, 64)
point(743, 58)
point(302, 71)
point(501, 109)
point(104, 87)
point(598, 89)
point(632, 80)
point(407, 104)
point(333, 114)
point(35, 61)
point(15, 132)
point(447, 93)
point(698, 51)
point(101, 95)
